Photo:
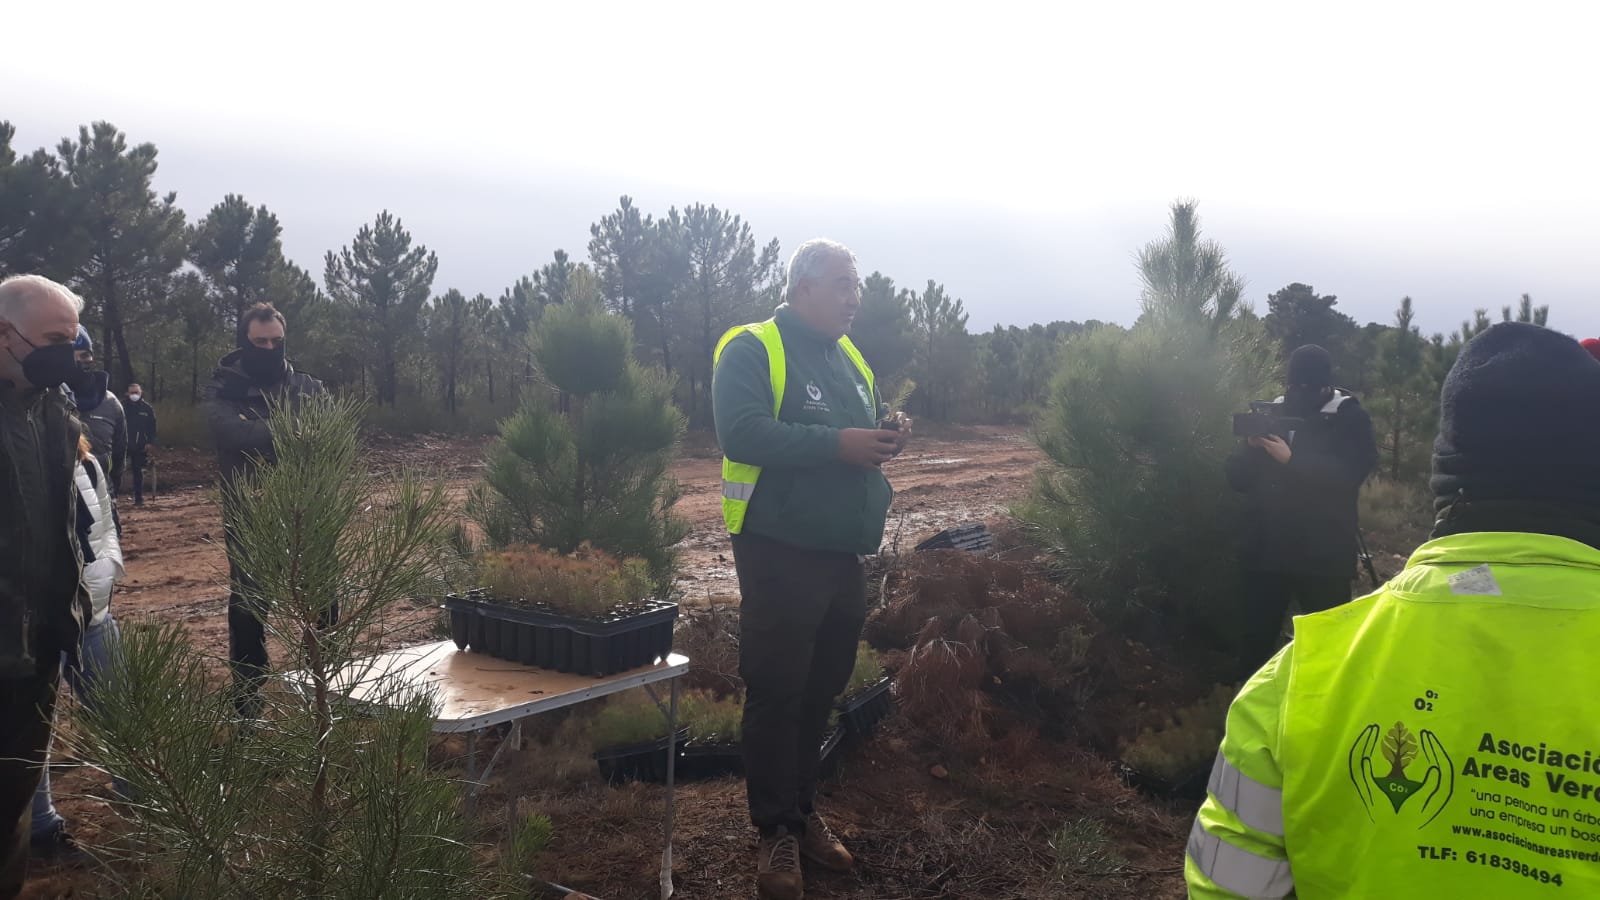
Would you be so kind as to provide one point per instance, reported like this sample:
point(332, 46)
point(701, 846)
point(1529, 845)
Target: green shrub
point(1184, 744)
point(631, 718)
point(711, 720)
point(634, 718)
point(868, 670)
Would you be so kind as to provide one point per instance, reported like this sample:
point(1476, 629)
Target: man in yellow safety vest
point(797, 416)
point(1433, 739)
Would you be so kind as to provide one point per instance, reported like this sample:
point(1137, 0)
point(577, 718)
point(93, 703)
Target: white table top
point(474, 690)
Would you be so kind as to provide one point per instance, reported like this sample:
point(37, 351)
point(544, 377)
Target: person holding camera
point(1302, 484)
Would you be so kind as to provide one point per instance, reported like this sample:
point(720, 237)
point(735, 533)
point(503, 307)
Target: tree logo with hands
point(1421, 801)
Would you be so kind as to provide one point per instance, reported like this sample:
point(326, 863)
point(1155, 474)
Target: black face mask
point(264, 365)
point(50, 365)
point(1304, 401)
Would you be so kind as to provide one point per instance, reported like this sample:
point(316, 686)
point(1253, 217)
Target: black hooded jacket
point(1302, 516)
point(236, 409)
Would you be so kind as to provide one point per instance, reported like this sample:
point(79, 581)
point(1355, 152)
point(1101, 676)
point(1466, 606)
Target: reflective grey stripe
point(733, 490)
point(1240, 871)
point(1256, 805)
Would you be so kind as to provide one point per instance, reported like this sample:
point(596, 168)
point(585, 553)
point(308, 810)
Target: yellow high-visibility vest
point(739, 479)
point(1434, 739)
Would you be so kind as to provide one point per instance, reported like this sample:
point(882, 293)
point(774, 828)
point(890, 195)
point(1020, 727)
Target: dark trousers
point(801, 613)
point(137, 460)
point(26, 707)
point(1267, 596)
point(247, 639)
point(247, 636)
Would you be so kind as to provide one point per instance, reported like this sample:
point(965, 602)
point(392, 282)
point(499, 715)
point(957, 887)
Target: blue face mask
point(50, 365)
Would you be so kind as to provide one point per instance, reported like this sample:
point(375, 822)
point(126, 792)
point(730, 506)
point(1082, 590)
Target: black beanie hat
point(1519, 421)
point(1310, 365)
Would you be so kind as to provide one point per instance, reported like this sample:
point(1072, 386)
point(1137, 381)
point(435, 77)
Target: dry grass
point(710, 638)
point(1393, 507)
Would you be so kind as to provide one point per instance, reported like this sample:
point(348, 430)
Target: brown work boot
point(822, 847)
point(778, 868)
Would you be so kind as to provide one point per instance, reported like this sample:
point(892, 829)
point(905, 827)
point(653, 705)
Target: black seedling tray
point(711, 760)
point(563, 643)
point(722, 758)
point(973, 538)
point(832, 753)
point(638, 762)
point(861, 714)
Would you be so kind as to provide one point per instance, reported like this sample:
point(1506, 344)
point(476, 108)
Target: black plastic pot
point(564, 643)
point(638, 762)
point(710, 760)
point(861, 713)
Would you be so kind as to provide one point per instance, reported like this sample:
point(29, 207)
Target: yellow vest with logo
point(738, 479)
point(1439, 738)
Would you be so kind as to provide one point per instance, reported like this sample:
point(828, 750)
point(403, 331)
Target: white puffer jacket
point(106, 570)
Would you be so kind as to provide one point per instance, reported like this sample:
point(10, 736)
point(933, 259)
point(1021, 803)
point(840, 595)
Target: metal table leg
point(471, 800)
point(672, 766)
point(476, 780)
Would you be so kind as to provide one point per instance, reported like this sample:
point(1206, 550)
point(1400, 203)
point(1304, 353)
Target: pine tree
point(1405, 401)
point(620, 249)
point(384, 281)
point(196, 315)
point(1133, 506)
point(727, 282)
point(39, 216)
point(595, 471)
point(1297, 315)
point(883, 331)
point(134, 239)
point(326, 797)
point(553, 282)
point(450, 339)
point(239, 250)
point(1186, 278)
point(939, 322)
point(1527, 312)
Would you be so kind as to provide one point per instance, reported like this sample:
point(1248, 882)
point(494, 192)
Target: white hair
point(18, 291)
point(809, 258)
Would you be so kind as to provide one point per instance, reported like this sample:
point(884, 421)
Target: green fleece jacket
point(806, 496)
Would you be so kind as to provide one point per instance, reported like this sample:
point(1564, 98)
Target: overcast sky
point(1016, 153)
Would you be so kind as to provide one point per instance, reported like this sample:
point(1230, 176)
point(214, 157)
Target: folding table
point(473, 692)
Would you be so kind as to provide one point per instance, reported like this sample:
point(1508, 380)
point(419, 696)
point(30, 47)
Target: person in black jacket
point(141, 437)
point(43, 604)
point(237, 410)
point(1299, 542)
point(100, 410)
